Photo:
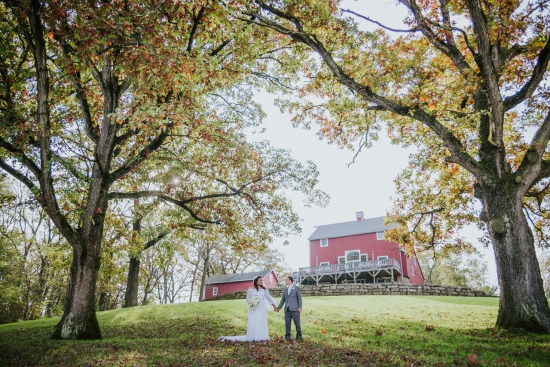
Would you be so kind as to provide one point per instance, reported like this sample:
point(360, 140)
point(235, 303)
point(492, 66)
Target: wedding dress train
point(257, 319)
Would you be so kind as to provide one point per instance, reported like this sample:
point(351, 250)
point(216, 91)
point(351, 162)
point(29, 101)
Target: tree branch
point(143, 155)
point(75, 78)
point(536, 77)
point(154, 241)
point(196, 21)
point(23, 158)
point(43, 117)
point(448, 49)
point(412, 30)
point(488, 70)
point(72, 170)
point(218, 49)
point(161, 195)
point(20, 177)
point(453, 144)
point(533, 157)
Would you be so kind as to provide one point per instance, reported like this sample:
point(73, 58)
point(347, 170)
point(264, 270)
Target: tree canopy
point(466, 83)
point(132, 99)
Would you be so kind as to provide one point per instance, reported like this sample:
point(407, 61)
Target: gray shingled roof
point(370, 225)
point(243, 277)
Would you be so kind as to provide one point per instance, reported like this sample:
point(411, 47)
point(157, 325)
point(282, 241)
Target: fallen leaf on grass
point(472, 359)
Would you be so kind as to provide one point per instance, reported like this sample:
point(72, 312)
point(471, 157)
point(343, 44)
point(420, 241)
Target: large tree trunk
point(79, 319)
point(132, 286)
point(522, 300)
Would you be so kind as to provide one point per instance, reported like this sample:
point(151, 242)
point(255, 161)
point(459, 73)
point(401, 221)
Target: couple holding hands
point(257, 298)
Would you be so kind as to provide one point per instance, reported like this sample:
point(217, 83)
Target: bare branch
point(361, 145)
point(412, 30)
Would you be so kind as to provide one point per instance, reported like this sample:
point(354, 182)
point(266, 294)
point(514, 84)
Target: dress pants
point(289, 316)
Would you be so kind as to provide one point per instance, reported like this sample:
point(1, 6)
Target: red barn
point(224, 283)
point(356, 252)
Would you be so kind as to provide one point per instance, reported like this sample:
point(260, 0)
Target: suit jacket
point(293, 300)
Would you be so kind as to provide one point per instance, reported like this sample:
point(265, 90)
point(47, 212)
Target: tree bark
point(205, 269)
point(105, 301)
point(193, 281)
point(132, 285)
point(79, 320)
point(523, 304)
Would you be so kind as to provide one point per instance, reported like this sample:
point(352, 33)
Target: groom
point(292, 296)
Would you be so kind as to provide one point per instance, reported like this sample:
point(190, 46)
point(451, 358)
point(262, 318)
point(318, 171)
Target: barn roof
point(242, 277)
point(370, 225)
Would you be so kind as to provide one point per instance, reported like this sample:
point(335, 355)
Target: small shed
point(220, 284)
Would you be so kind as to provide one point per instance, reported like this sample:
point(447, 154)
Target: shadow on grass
point(192, 341)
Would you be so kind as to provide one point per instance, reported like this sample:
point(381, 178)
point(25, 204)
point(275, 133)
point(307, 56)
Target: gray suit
point(293, 303)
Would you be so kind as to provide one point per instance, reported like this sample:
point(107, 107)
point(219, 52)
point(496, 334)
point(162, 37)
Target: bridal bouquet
point(253, 302)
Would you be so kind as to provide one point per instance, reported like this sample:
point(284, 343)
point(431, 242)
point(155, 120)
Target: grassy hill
point(338, 331)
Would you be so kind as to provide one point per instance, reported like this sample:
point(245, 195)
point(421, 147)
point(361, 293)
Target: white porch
point(374, 271)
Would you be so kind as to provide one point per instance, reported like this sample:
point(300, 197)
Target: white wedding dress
point(257, 319)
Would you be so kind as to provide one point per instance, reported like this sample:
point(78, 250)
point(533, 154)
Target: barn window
point(414, 260)
point(341, 259)
point(363, 257)
point(271, 277)
point(325, 264)
point(382, 258)
point(352, 256)
point(412, 267)
point(215, 291)
point(379, 235)
point(324, 242)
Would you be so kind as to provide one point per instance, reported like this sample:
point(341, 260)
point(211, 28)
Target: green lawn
point(338, 331)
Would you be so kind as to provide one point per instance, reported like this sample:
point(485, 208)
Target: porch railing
point(350, 267)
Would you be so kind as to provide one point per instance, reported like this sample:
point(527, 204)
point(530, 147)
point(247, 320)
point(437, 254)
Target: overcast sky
point(366, 185)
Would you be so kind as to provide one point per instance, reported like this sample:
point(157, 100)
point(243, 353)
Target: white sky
point(366, 185)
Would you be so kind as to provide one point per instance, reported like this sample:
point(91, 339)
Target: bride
point(256, 298)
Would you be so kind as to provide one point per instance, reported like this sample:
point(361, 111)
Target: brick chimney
point(359, 216)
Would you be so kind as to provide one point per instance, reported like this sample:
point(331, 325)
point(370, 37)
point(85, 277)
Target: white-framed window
point(353, 256)
point(341, 259)
point(382, 258)
point(324, 242)
point(215, 291)
point(271, 277)
point(363, 257)
point(324, 264)
point(412, 268)
point(380, 235)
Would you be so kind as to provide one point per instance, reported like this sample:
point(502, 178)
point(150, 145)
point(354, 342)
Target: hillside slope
point(347, 331)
